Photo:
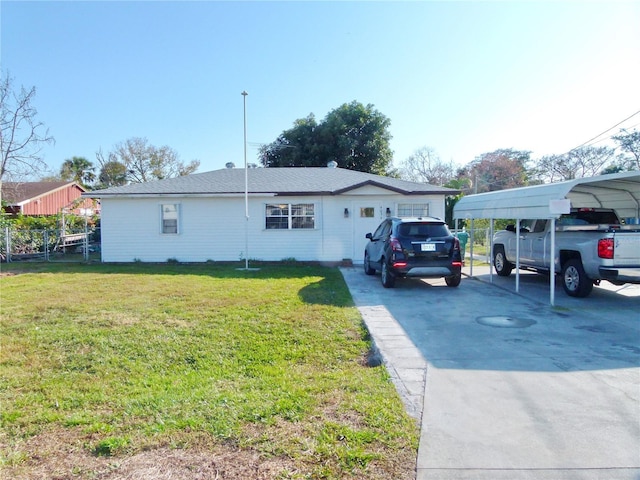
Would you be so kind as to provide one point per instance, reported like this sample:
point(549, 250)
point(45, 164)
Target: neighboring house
point(306, 214)
point(44, 198)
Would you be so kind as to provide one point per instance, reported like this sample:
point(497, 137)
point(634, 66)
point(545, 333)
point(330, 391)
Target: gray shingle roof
point(278, 181)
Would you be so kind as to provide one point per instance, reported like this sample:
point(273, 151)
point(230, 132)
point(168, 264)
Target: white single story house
point(269, 214)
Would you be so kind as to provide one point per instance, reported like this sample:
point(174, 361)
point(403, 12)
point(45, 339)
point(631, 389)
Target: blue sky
point(464, 78)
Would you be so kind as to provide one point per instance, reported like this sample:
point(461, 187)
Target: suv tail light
point(605, 248)
point(456, 248)
point(395, 244)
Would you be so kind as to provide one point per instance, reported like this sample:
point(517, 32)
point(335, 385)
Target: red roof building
point(44, 198)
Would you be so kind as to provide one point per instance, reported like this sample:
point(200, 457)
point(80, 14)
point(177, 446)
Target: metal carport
point(620, 191)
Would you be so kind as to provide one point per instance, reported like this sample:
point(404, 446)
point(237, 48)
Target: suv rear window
point(423, 230)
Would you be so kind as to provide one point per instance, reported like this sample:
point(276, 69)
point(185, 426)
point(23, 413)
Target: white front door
point(366, 218)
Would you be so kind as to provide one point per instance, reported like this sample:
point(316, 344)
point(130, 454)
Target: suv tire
point(453, 280)
point(386, 277)
point(367, 265)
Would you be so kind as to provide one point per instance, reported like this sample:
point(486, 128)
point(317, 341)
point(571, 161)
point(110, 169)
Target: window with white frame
point(413, 210)
point(287, 216)
point(170, 218)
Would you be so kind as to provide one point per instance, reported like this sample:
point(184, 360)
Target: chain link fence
point(78, 245)
point(82, 245)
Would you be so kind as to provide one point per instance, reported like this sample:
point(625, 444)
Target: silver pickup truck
point(591, 244)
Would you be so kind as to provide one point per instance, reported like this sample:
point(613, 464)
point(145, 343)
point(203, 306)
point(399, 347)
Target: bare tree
point(144, 162)
point(499, 170)
point(629, 143)
point(21, 135)
point(578, 163)
point(424, 165)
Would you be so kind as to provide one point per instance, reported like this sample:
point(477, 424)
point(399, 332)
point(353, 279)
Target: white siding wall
point(214, 228)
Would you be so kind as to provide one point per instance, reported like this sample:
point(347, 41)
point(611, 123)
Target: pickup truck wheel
point(367, 265)
point(574, 279)
point(503, 266)
point(453, 280)
point(387, 278)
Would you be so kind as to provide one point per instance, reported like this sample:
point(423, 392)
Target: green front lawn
point(104, 363)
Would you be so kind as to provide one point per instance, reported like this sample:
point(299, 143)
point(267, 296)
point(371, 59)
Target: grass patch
point(102, 361)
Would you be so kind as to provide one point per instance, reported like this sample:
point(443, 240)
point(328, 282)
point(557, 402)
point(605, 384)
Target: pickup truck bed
point(587, 249)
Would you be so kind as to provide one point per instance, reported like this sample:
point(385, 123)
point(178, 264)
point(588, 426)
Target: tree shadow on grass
point(330, 289)
point(213, 269)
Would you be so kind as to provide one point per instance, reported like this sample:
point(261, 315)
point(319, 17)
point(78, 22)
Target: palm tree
point(78, 169)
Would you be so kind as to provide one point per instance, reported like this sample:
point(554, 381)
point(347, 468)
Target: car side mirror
point(510, 228)
point(369, 236)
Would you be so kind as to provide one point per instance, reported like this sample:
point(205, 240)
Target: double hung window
point(288, 216)
point(170, 218)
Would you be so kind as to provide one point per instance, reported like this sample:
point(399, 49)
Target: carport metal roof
point(620, 191)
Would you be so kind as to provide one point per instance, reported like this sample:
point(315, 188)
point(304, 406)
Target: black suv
point(413, 247)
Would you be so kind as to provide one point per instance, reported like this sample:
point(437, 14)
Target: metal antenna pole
point(246, 183)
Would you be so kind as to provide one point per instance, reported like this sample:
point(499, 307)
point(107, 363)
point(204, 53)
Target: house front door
point(366, 218)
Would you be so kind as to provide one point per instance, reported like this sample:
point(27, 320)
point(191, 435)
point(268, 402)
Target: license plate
point(428, 247)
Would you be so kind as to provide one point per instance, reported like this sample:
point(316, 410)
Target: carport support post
point(491, 250)
point(517, 255)
point(552, 267)
point(471, 240)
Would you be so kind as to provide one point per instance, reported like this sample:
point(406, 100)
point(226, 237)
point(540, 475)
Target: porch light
point(346, 213)
point(388, 212)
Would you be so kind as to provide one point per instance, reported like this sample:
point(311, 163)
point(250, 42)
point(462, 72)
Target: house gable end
point(369, 187)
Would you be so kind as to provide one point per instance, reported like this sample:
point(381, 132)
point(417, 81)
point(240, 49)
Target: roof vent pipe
point(332, 164)
point(230, 165)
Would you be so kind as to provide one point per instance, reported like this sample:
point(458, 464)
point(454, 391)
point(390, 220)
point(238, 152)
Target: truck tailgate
point(626, 248)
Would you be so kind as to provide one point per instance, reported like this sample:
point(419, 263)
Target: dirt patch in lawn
point(63, 455)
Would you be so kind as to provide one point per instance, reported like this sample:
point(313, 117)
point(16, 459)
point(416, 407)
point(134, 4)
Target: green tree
point(295, 147)
point(112, 174)
point(462, 184)
point(78, 169)
point(354, 135)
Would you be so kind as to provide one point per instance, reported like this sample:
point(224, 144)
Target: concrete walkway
point(505, 386)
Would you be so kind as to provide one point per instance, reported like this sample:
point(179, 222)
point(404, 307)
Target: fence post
point(85, 243)
point(45, 239)
point(8, 243)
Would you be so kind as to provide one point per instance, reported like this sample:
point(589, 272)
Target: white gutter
point(181, 195)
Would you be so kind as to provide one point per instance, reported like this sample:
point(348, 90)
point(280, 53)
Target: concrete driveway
point(506, 386)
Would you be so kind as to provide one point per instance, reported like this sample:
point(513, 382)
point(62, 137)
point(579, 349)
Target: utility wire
point(630, 127)
point(607, 130)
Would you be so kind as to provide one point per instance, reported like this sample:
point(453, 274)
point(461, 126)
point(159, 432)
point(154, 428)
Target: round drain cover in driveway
point(503, 321)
